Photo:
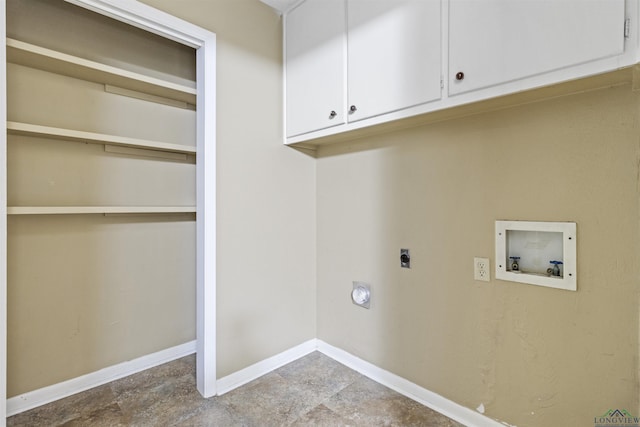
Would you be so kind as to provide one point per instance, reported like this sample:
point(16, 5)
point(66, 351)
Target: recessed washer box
point(537, 253)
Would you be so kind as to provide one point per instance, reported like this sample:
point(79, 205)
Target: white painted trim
point(32, 399)
point(148, 18)
point(206, 218)
point(3, 215)
point(168, 26)
point(413, 391)
point(259, 369)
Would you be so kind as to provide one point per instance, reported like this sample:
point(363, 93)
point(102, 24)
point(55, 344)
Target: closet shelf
point(33, 56)
point(69, 210)
point(17, 128)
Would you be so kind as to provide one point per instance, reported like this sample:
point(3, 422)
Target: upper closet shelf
point(70, 210)
point(33, 56)
point(17, 128)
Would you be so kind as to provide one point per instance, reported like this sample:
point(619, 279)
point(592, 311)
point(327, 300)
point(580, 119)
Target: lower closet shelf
point(70, 210)
point(28, 129)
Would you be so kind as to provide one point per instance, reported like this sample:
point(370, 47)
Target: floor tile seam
point(215, 400)
point(304, 414)
point(295, 378)
point(123, 414)
point(326, 403)
point(118, 401)
point(325, 398)
point(202, 408)
point(142, 389)
point(328, 398)
point(88, 409)
point(290, 412)
point(228, 405)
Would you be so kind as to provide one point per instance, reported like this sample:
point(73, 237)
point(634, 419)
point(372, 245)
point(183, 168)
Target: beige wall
point(532, 356)
point(86, 292)
point(266, 191)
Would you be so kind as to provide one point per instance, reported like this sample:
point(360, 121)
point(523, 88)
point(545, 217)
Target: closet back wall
point(90, 291)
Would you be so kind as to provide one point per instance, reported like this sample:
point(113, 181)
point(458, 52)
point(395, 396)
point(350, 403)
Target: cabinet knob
point(459, 75)
point(353, 109)
point(332, 114)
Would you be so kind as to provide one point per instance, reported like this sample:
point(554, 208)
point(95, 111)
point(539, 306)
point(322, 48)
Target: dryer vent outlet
point(361, 294)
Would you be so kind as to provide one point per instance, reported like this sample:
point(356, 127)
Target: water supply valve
point(555, 270)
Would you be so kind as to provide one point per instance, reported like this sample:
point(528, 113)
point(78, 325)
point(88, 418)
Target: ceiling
point(280, 5)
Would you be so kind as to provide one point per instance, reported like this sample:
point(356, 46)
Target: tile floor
point(312, 391)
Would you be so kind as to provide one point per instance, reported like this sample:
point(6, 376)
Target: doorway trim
point(204, 41)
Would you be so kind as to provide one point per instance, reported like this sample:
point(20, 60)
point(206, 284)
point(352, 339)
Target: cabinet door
point(497, 41)
point(315, 52)
point(393, 55)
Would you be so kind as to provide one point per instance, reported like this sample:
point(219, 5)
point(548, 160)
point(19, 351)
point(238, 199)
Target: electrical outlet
point(481, 269)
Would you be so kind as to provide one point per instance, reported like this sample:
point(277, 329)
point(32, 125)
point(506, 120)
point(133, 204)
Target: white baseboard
point(48, 394)
point(453, 410)
point(250, 373)
point(413, 391)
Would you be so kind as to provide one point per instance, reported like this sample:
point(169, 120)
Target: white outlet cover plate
point(481, 269)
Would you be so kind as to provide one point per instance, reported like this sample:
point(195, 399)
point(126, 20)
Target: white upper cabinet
point(497, 41)
point(394, 52)
point(354, 64)
point(389, 51)
point(315, 55)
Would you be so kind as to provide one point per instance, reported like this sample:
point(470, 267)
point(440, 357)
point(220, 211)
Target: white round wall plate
point(361, 294)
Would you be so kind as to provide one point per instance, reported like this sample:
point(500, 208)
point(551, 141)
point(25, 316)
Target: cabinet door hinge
point(627, 27)
point(441, 83)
